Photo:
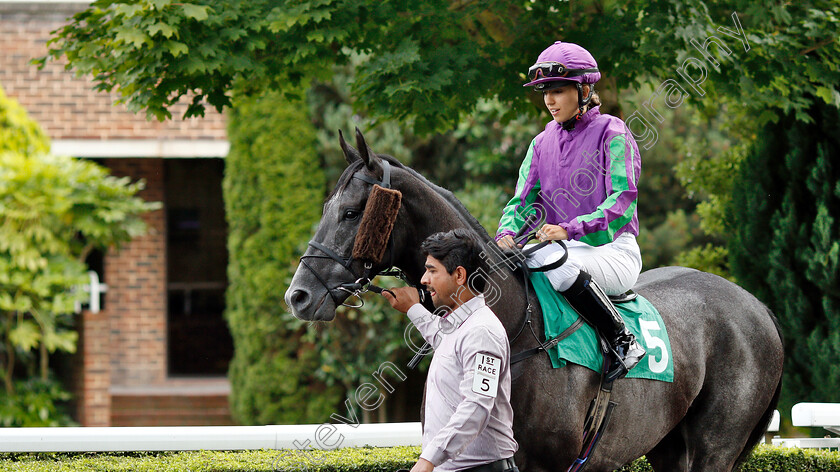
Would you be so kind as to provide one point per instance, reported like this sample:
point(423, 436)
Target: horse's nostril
point(300, 299)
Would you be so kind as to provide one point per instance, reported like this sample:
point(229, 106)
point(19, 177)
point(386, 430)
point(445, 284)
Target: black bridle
point(601, 409)
point(362, 283)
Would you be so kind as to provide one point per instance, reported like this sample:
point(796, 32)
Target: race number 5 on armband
point(486, 378)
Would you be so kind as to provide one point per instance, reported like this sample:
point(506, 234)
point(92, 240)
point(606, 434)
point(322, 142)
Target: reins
point(600, 408)
point(517, 259)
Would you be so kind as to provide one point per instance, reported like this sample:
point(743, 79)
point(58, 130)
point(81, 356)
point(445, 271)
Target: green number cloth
point(581, 347)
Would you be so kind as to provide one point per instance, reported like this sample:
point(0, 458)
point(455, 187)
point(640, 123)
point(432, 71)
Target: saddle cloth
point(582, 348)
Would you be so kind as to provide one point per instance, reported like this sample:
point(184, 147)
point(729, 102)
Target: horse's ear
point(351, 155)
point(370, 158)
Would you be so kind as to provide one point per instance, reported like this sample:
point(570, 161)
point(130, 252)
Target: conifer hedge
point(786, 245)
point(273, 189)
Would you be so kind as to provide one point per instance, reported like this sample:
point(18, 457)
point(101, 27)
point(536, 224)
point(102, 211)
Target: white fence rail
point(208, 438)
point(315, 436)
point(814, 415)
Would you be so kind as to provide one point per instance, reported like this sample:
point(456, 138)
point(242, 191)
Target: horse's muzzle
point(307, 307)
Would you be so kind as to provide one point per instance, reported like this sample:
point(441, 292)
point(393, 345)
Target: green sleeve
point(513, 215)
point(601, 226)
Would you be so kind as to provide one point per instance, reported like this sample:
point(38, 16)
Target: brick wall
point(124, 346)
point(92, 371)
point(66, 106)
point(136, 278)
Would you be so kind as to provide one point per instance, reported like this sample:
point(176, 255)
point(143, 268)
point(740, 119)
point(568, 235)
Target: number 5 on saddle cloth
point(570, 340)
point(582, 347)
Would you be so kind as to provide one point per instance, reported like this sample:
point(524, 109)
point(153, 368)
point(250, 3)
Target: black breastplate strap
point(548, 344)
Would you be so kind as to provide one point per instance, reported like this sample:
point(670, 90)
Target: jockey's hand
point(552, 233)
point(507, 243)
point(402, 298)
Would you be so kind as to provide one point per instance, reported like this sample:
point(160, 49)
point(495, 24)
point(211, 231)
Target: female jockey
point(580, 174)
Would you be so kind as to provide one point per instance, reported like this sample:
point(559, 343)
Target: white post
point(95, 289)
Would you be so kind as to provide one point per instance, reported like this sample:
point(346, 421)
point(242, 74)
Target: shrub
point(785, 245)
point(273, 189)
point(365, 459)
point(53, 212)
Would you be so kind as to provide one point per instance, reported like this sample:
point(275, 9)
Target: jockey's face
point(562, 102)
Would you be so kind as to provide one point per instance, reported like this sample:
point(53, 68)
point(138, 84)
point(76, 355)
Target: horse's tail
point(764, 422)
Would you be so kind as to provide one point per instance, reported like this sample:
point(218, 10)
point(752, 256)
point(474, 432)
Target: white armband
point(486, 378)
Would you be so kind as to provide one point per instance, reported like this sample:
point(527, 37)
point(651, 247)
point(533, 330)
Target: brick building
point(157, 352)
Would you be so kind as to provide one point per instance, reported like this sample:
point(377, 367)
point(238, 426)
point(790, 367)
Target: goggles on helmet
point(555, 70)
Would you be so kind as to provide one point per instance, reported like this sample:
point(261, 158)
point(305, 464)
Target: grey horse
point(726, 345)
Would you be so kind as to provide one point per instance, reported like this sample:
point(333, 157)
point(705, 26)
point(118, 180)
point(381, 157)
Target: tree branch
point(816, 46)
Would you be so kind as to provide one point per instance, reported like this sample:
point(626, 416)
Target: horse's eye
point(352, 215)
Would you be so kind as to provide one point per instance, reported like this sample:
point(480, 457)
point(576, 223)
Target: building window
point(199, 342)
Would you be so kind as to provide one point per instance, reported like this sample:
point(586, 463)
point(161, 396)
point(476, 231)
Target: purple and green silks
point(583, 180)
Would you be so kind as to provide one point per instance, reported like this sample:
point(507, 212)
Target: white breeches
point(615, 266)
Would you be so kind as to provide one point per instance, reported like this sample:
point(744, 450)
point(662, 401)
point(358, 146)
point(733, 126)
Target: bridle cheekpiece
point(371, 242)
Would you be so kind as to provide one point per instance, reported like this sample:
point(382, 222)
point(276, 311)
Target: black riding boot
point(596, 308)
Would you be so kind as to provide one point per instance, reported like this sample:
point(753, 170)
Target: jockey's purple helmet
point(564, 63)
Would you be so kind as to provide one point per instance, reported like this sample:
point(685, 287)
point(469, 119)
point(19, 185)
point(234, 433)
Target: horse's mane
point(447, 195)
point(453, 201)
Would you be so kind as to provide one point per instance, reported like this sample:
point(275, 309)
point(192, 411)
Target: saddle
point(625, 297)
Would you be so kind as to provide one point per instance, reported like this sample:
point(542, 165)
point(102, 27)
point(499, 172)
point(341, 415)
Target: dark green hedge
point(764, 459)
point(273, 189)
point(776, 459)
point(787, 195)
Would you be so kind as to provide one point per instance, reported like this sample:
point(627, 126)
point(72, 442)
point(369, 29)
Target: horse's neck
point(435, 209)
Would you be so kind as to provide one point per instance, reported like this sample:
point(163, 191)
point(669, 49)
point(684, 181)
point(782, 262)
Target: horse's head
point(332, 263)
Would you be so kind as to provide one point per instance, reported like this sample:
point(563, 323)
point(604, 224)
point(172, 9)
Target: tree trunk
point(45, 362)
point(382, 413)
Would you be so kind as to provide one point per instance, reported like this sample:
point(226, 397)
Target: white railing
point(208, 438)
point(814, 415)
point(315, 436)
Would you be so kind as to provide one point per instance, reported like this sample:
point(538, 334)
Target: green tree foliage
point(273, 190)
point(668, 224)
point(785, 245)
point(53, 212)
point(429, 64)
point(18, 133)
point(792, 63)
point(428, 61)
point(708, 174)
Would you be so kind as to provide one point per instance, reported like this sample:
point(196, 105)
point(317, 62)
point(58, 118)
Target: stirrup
point(621, 365)
point(616, 370)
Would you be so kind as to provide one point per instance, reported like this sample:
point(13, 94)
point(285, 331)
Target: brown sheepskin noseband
point(377, 222)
